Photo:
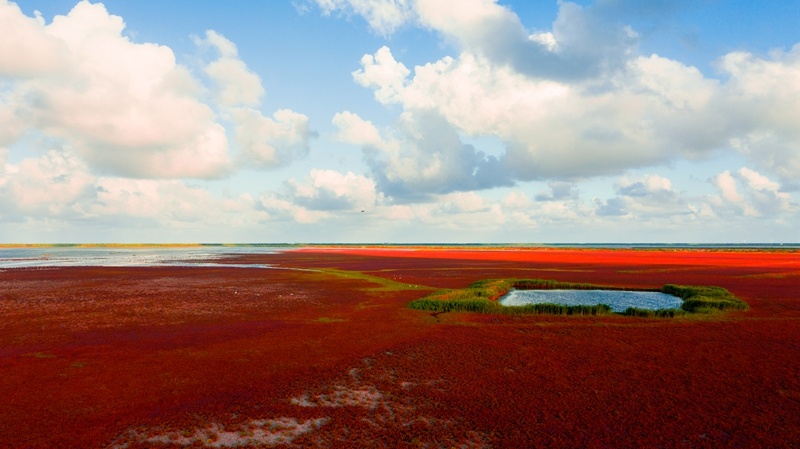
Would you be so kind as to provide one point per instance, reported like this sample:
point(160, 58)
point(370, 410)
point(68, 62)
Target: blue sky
point(400, 121)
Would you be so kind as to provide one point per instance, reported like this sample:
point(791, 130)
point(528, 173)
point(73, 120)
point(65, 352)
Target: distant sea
point(206, 254)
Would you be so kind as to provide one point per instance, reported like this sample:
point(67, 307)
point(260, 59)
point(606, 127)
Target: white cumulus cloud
point(236, 84)
point(383, 73)
point(26, 50)
point(579, 100)
point(270, 142)
point(355, 130)
point(130, 109)
point(126, 108)
point(424, 156)
point(763, 100)
point(49, 185)
point(553, 129)
point(749, 193)
point(383, 16)
point(327, 190)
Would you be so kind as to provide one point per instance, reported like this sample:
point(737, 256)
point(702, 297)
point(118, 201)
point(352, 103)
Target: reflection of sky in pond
point(618, 300)
point(126, 257)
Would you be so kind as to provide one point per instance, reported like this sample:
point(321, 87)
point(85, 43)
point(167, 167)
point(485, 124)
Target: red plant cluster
point(215, 357)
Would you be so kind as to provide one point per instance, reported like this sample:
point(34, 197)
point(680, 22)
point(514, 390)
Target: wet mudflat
point(218, 357)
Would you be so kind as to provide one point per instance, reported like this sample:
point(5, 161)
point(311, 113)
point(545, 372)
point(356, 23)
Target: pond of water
point(618, 300)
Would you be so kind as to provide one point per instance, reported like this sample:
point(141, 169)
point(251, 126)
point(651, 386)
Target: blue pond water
point(618, 300)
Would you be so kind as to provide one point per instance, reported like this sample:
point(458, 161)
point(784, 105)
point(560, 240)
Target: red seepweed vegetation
point(216, 357)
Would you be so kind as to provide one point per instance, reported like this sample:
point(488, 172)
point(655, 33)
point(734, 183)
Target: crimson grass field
point(323, 352)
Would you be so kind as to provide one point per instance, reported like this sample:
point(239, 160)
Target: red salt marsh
point(216, 357)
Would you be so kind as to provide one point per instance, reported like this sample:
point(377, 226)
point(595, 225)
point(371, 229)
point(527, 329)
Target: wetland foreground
point(321, 350)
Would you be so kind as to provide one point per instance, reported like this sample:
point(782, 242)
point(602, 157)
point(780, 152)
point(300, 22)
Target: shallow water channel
point(618, 300)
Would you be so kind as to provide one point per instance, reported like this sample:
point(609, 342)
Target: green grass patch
point(481, 297)
point(384, 284)
point(703, 299)
point(649, 313)
point(324, 319)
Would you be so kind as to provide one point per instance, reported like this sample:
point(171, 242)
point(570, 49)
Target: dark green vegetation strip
point(481, 297)
point(385, 285)
point(702, 299)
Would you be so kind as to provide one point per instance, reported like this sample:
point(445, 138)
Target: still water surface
point(126, 257)
point(618, 300)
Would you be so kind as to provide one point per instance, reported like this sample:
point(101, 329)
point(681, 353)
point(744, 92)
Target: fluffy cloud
point(424, 156)
point(384, 74)
point(762, 96)
point(646, 199)
point(236, 84)
point(654, 186)
point(650, 197)
point(583, 42)
point(169, 203)
point(726, 184)
point(355, 130)
point(25, 50)
point(450, 215)
point(326, 195)
point(640, 207)
point(269, 142)
point(282, 209)
point(13, 126)
point(127, 108)
point(613, 207)
point(553, 129)
point(264, 142)
point(766, 194)
point(330, 190)
point(58, 186)
point(579, 100)
point(50, 185)
point(383, 16)
point(568, 103)
point(752, 194)
point(124, 119)
point(748, 193)
point(558, 190)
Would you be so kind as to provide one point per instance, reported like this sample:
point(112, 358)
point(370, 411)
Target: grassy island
point(482, 297)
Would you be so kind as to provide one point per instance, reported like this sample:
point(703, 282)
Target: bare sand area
point(322, 351)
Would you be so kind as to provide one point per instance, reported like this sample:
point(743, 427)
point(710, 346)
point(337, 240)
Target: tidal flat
point(321, 350)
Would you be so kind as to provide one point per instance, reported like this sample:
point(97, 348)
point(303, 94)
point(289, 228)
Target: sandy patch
point(260, 432)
